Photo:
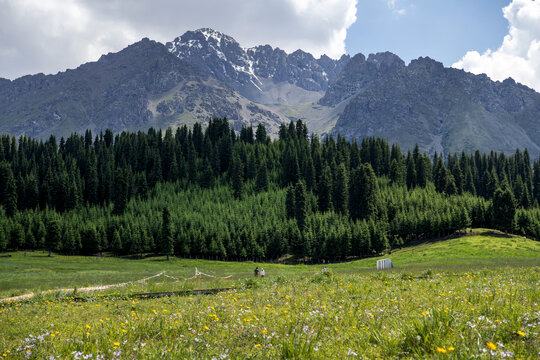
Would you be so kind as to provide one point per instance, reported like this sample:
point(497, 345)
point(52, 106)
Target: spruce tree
point(260, 135)
point(324, 190)
point(340, 194)
point(121, 184)
point(300, 205)
point(363, 192)
point(237, 177)
point(397, 172)
point(8, 189)
point(411, 172)
point(261, 179)
point(504, 209)
point(290, 208)
point(53, 237)
point(116, 244)
point(167, 233)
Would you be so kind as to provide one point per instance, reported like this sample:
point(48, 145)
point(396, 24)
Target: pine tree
point(8, 189)
point(397, 173)
point(440, 175)
point(260, 135)
point(237, 177)
point(121, 185)
point(17, 237)
point(340, 194)
point(324, 190)
point(300, 205)
point(450, 188)
point(363, 192)
point(53, 237)
point(504, 209)
point(91, 180)
point(261, 179)
point(116, 244)
point(206, 178)
point(536, 181)
point(290, 208)
point(167, 233)
point(411, 172)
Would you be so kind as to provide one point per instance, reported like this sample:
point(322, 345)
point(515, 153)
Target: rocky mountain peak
point(385, 60)
point(358, 73)
point(426, 64)
point(249, 70)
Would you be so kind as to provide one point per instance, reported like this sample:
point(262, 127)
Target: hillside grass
point(487, 313)
point(35, 271)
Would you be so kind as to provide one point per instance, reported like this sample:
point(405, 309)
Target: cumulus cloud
point(519, 55)
point(52, 35)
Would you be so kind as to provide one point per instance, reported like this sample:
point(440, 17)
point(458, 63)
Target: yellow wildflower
point(521, 333)
point(491, 345)
point(441, 350)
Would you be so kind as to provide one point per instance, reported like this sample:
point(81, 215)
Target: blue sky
point(443, 30)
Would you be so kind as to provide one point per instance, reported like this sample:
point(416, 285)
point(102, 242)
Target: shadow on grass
point(496, 234)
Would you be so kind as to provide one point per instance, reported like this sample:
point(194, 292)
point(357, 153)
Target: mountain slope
point(258, 73)
point(109, 93)
point(204, 74)
point(441, 109)
point(122, 91)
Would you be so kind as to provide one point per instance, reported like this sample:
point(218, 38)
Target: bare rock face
point(441, 109)
point(245, 70)
point(128, 90)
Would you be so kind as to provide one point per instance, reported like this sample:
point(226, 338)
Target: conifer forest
point(211, 192)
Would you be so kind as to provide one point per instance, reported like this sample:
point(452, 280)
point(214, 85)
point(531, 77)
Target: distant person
point(256, 271)
point(262, 272)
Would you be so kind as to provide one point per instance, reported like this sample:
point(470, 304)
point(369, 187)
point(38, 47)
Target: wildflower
point(88, 326)
point(521, 333)
point(491, 345)
point(116, 343)
point(265, 332)
point(451, 348)
point(441, 350)
point(258, 345)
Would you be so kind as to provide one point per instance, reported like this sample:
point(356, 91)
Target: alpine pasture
point(474, 296)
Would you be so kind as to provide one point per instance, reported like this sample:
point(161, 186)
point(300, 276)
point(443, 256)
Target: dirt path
point(31, 295)
point(83, 289)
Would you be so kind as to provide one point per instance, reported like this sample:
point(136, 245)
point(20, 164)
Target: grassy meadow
point(474, 296)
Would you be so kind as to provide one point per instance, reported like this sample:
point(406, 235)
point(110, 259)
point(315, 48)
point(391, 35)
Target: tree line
point(212, 192)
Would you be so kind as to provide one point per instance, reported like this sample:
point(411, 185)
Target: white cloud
point(519, 55)
point(52, 35)
point(396, 9)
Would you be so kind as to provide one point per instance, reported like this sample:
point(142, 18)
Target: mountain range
point(205, 73)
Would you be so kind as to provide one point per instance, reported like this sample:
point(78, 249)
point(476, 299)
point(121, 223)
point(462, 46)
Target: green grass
point(477, 297)
point(35, 271)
